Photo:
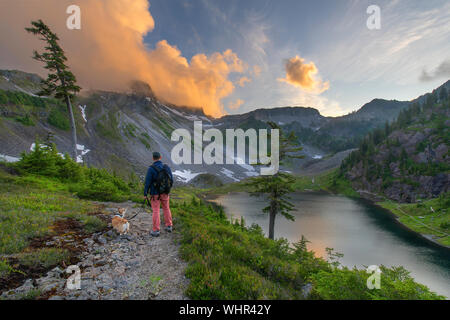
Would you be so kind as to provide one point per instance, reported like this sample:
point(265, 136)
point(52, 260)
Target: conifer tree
point(60, 81)
point(278, 186)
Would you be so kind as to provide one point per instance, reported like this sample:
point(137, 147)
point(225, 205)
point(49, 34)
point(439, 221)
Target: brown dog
point(119, 223)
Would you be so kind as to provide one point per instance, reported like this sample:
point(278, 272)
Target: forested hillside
point(408, 159)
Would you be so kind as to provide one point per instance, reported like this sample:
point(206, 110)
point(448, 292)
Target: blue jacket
point(151, 176)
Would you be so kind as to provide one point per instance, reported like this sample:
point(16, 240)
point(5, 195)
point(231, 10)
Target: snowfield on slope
point(185, 175)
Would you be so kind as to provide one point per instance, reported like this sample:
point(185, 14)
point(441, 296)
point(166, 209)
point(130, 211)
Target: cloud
point(291, 96)
point(256, 70)
point(243, 81)
point(303, 75)
point(109, 51)
point(442, 71)
point(202, 82)
point(235, 105)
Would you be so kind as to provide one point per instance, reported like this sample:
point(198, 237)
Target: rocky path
point(136, 266)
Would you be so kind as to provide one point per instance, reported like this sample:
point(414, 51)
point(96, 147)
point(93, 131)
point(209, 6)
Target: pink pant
point(164, 201)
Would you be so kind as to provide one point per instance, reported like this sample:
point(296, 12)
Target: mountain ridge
point(118, 131)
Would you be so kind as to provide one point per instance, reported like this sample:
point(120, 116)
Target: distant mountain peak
point(142, 88)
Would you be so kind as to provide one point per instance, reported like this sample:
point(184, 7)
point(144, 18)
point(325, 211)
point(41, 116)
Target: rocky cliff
point(409, 159)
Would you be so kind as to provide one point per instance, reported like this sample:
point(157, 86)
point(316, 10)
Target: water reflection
point(364, 233)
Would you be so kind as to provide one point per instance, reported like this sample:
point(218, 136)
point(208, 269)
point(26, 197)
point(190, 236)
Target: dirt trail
point(136, 266)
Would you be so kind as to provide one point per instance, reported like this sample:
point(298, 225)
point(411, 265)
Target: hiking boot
point(154, 233)
point(168, 229)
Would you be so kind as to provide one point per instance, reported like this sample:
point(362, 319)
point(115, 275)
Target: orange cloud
point(109, 52)
point(243, 81)
point(303, 75)
point(235, 105)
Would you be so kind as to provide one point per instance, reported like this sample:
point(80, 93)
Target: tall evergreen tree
point(278, 186)
point(60, 81)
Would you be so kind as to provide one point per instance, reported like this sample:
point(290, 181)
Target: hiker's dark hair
point(156, 155)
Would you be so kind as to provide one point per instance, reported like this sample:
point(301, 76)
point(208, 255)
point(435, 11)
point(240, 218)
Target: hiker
point(159, 180)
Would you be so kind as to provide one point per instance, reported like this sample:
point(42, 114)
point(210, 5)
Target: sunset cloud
point(304, 75)
point(109, 51)
point(243, 81)
point(235, 105)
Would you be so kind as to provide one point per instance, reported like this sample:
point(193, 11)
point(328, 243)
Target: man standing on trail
point(159, 180)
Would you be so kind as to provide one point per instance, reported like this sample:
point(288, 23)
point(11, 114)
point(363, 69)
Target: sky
point(234, 56)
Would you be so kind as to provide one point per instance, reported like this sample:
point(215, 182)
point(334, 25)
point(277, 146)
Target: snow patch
point(83, 150)
point(186, 116)
point(317, 156)
point(206, 119)
point(4, 157)
point(173, 111)
point(229, 174)
point(83, 112)
point(185, 175)
point(25, 91)
point(80, 147)
point(165, 112)
point(191, 117)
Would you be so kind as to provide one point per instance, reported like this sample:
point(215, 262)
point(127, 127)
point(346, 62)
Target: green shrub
point(58, 119)
point(445, 225)
point(100, 190)
point(44, 257)
point(229, 261)
point(351, 284)
point(25, 120)
point(5, 268)
point(87, 183)
point(24, 99)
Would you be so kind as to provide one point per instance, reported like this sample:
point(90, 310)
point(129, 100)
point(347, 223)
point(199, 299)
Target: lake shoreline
point(210, 197)
point(364, 231)
point(397, 220)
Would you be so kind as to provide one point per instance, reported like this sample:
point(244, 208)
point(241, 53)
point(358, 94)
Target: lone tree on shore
point(60, 81)
point(278, 186)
